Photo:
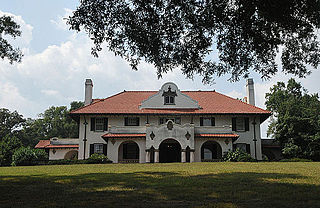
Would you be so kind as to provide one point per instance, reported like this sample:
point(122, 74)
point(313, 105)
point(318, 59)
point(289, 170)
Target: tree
point(183, 34)
point(10, 122)
point(8, 145)
point(9, 27)
point(296, 119)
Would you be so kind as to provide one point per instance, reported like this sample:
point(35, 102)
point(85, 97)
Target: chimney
point(88, 92)
point(250, 91)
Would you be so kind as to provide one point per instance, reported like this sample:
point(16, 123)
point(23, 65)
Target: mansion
point(169, 125)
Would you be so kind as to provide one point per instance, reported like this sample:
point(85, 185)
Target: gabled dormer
point(169, 97)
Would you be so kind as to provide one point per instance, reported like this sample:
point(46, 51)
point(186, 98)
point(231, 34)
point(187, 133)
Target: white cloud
point(60, 21)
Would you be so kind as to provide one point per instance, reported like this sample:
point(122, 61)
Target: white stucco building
point(168, 125)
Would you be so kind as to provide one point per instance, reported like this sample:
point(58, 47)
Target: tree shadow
point(159, 189)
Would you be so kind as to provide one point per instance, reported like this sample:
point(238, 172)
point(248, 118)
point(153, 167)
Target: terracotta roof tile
point(46, 145)
point(231, 135)
point(42, 144)
point(128, 102)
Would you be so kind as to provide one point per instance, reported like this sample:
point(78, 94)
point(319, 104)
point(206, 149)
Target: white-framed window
point(240, 123)
point(99, 124)
point(169, 100)
point(98, 148)
point(131, 121)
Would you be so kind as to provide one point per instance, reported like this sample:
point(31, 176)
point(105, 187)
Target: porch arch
point(210, 151)
point(71, 155)
point(128, 152)
point(169, 151)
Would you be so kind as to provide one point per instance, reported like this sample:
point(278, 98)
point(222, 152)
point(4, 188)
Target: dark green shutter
point(201, 121)
point(91, 149)
point(126, 121)
point(105, 146)
point(248, 148)
point(246, 123)
point(234, 124)
point(213, 121)
point(93, 124)
point(105, 126)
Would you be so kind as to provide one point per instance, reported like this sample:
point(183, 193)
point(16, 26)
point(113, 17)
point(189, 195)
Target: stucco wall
point(59, 154)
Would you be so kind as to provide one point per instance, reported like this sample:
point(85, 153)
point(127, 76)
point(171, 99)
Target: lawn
point(219, 184)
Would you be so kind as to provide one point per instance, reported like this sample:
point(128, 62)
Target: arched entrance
point(170, 151)
point(71, 155)
point(211, 151)
point(128, 152)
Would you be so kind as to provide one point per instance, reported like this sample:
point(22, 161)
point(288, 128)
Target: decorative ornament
point(152, 135)
point(188, 135)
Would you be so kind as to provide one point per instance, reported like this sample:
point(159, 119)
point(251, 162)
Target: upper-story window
point(99, 124)
point(131, 121)
point(207, 121)
point(169, 96)
point(176, 120)
point(240, 124)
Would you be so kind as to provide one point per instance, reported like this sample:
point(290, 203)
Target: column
point(183, 155)
point(156, 155)
point(192, 156)
point(148, 156)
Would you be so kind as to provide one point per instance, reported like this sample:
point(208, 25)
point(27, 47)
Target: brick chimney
point(250, 91)
point(88, 92)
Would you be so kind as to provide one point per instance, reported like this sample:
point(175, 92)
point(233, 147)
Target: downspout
point(85, 138)
point(254, 138)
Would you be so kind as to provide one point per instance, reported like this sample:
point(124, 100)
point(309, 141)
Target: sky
point(57, 61)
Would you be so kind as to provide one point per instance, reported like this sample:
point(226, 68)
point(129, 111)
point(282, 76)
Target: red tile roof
point(46, 145)
point(231, 135)
point(109, 135)
point(128, 102)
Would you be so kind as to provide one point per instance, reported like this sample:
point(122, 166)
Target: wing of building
point(169, 125)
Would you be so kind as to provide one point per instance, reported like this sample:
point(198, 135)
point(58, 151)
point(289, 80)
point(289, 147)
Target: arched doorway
point(128, 152)
point(71, 155)
point(211, 151)
point(170, 151)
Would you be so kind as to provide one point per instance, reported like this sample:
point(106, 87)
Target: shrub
point(97, 159)
point(28, 156)
point(296, 160)
point(8, 146)
point(237, 156)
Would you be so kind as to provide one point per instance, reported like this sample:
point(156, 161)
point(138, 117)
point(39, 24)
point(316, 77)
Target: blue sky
point(57, 61)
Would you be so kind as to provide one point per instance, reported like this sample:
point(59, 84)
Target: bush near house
point(28, 156)
point(237, 156)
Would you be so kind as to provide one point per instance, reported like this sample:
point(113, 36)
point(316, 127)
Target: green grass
point(162, 185)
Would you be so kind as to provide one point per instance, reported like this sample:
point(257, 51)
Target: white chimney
point(88, 92)
point(250, 91)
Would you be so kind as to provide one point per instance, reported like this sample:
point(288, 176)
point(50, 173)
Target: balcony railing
point(212, 129)
point(127, 129)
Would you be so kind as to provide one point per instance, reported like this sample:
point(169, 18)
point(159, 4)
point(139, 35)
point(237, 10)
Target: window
point(207, 121)
point(131, 121)
point(176, 120)
point(240, 124)
point(98, 148)
point(130, 151)
point(99, 124)
point(169, 100)
point(244, 147)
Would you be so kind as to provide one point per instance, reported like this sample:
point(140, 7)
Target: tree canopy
point(9, 27)
point(184, 34)
point(296, 123)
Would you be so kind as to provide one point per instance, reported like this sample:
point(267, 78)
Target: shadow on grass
point(158, 189)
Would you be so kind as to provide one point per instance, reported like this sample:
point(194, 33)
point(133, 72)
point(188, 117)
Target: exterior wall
point(200, 141)
point(118, 121)
point(59, 153)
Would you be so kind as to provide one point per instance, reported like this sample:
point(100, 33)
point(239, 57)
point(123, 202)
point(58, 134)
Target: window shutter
point(234, 124)
point(126, 121)
point(105, 126)
point(213, 121)
point(246, 123)
point(138, 121)
point(93, 124)
point(248, 148)
point(91, 149)
point(105, 146)
point(201, 121)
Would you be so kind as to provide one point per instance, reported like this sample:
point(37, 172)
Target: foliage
point(10, 122)
point(295, 160)
point(296, 120)
point(237, 155)
point(98, 158)
point(28, 156)
point(8, 145)
point(184, 34)
point(9, 27)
